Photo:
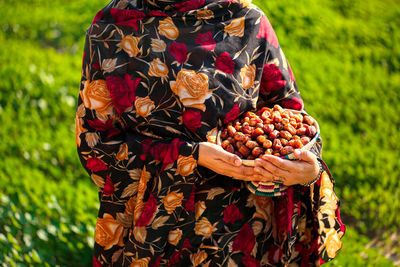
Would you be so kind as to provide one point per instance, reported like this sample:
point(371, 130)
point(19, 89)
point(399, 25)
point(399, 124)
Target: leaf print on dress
point(192, 88)
point(236, 27)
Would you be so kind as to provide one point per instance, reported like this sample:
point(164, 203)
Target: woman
point(159, 78)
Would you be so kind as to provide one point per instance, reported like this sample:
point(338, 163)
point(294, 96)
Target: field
point(345, 55)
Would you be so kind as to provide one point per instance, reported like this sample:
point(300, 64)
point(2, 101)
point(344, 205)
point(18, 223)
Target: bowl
point(272, 188)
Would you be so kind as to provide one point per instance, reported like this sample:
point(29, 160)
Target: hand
point(289, 172)
point(220, 161)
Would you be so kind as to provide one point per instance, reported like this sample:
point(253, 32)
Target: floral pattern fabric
point(158, 77)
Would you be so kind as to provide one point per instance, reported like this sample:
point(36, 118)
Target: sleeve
point(140, 179)
point(278, 86)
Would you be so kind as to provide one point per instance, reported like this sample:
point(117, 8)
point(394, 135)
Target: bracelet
point(319, 175)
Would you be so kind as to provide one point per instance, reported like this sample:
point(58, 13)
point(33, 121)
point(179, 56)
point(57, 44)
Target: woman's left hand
point(289, 172)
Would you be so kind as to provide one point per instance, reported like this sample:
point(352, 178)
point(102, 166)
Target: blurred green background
point(346, 58)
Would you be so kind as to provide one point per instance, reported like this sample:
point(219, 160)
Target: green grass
point(346, 59)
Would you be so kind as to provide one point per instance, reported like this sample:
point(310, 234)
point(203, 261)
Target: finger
point(271, 176)
point(245, 173)
point(278, 162)
point(230, 158)
point(262, 165)
point(304, 155)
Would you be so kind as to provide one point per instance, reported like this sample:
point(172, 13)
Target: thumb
point(304, 155)
point(230, 158)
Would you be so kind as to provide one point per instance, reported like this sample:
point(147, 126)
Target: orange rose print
point(236, 27)
point(198, 257)
point(95, 95)
point(168, 29)
point(158, 45)
point(108, 232)
point(144, 106)
point(130, 45)
point(158, 68)
point(192, 88)
point(174, 236)
point(172, 200)
point(143, 262)
point(326, 189)
point(122, 152)
point(248, 75)
point(186, 165)
point(332, 243)
point(204, 228)
point(78, 130)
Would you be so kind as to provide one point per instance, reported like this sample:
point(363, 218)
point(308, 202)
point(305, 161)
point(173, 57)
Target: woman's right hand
point(215, 158)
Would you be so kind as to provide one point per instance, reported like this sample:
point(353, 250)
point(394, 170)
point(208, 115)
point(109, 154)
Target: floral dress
point(158, 77)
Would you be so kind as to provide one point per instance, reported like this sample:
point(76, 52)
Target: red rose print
point(98, 16)
point(186, 244)
point(127, 17)
point(245, 240)
point(249, 261)
point(271, 79)
point(104, 127)
point(291, 73)
point(113, 131)
point(174, 259)
point(99, 125)
point(206, 40)
point(189, 5)
point(108, 189)
point(156, 13)
point(179, 51)
point(96, 262)
point(96, 65)
point(274, 254)
point(148, 211)
point(224, 63)
point(294, 103)
point(189, 206)
point(156, 262)
point(192, 119)
point(146, 145)
point(96, 164)
point(122, 91)
point(266, 31)
point(232, 214)
point(232, 114)
point(167, 153)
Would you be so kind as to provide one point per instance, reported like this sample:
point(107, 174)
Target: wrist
point(317, 177)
